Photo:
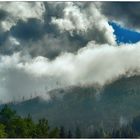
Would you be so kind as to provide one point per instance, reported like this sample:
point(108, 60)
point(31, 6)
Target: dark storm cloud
point(31, 30)
point(3, 14)
point(126, 13)
point(3, 37)
point(70, 25)
point(19, 22)
point(55, 41)
point(37, 29)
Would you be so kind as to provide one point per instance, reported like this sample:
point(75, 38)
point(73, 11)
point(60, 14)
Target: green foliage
point(30, 127)
point(21, 128)
point(42, 129)
point(99, 133)
point(14, 126)
point(124, 132)
point(6, 115)
point(54, 133)
point(2, 131)
point(8, 118)
point(62, 132)
point(69, 134)
point(77, 132)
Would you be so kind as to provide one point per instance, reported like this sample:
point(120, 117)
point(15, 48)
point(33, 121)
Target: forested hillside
point(87, 108)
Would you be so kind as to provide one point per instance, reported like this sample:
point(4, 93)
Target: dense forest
point(14, 126)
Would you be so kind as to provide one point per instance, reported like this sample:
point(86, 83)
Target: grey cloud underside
point(125, 13)
point(3, 15)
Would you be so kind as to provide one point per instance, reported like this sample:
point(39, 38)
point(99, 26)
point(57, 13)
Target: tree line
point(15, 126)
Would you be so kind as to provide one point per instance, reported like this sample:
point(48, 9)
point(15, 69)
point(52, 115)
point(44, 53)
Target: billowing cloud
point(36, 26)
point(11, 12)
point(23, 76)
point(47, 45)
point(87, 21)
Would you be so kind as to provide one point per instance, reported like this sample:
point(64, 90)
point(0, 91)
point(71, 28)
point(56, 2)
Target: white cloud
point(94, 64)
point(20, 10)
point(84, 20)
point(73, 19)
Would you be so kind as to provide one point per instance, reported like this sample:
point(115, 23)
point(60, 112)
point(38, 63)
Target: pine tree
point(77, 132)
point(69, 134)
point(2, 131)
point(42, 129)
point(54, 133)
point(62, 132)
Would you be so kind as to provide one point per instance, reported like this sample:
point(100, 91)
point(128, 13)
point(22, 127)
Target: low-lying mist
point(25, 77)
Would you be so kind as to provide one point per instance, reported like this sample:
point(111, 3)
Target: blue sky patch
point(125, 35)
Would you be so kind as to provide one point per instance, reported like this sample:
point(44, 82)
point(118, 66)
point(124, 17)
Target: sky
point(50, 45)
point(125, 35)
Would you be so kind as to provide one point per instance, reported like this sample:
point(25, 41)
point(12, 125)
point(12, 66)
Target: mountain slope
point(88, 107)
